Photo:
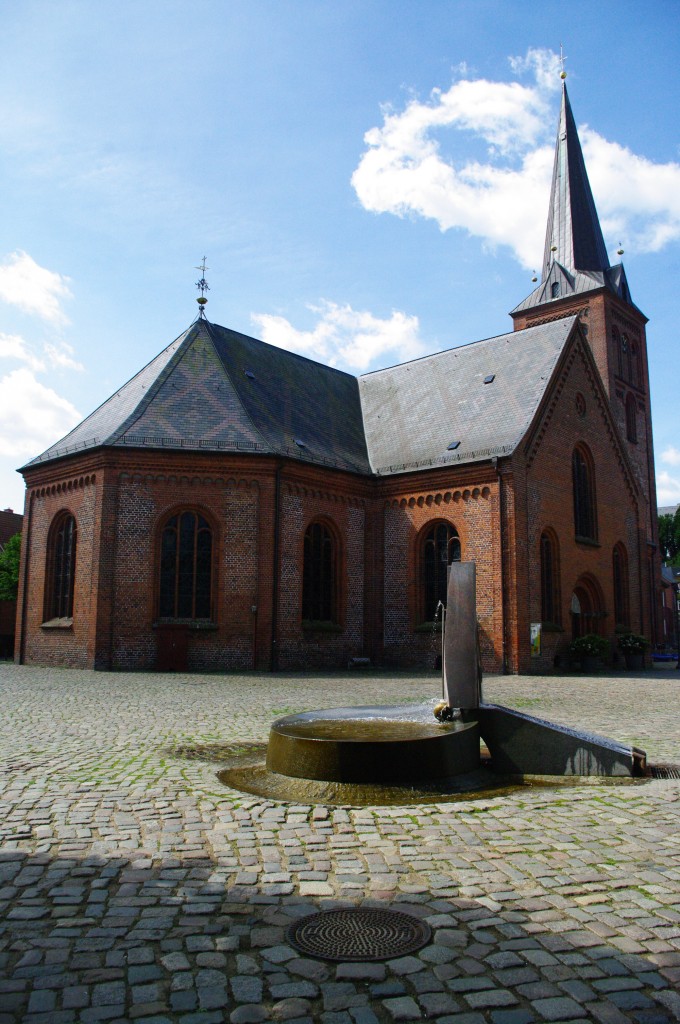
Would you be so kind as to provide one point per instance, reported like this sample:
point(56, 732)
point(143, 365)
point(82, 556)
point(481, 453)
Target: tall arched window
point(319, 575)
point(583, 479)
point(440, 547)
point(620, 574)
point(635, 366)
point(625, 357)
point(550, 579)
point(631, 418)
point(616, 345)
point(185, 586)
point(61, 567)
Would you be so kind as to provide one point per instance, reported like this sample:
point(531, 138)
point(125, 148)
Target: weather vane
point(562, 58)
point(203, 287)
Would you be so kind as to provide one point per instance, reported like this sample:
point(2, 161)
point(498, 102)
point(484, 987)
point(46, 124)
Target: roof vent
point(249, 374)
point(490, 378)
point(452, 447)
point(299, 443)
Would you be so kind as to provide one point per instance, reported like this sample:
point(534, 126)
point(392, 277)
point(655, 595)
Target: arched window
point(620, 573)
point(631, 418)
point(635, 366)
point(550, 579)
point(185, 586)
point(319, 575)
point(616, 345)
point(625, 358)
point(440, 547)
point(61, 567)
point(583, 479)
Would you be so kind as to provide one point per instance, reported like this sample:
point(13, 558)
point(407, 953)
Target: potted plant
point(633, 648)
point(590, 650)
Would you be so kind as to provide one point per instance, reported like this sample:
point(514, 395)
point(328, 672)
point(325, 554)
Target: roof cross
point(562, 58)
point(203, 287)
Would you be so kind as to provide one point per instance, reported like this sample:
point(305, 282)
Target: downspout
point(24, 596)
point(274, 656)
point(501, 518)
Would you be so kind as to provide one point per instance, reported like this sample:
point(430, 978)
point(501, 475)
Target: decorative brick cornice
point(440, 498)
point(65, 486)
point(187, 480)
point(301, 490)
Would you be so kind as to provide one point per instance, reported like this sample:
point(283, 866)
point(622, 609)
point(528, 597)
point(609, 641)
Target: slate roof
point(413, 412)
point(213, 389)
point(573, 229)
point(575, 257)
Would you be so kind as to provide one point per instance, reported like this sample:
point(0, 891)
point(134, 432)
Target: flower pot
point(590, 663)
point(634, 659)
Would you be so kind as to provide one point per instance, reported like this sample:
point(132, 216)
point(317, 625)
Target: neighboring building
point(670, 599)
point(237, 506)
point(10, 525)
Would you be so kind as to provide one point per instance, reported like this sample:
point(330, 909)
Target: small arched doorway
point(587, 608)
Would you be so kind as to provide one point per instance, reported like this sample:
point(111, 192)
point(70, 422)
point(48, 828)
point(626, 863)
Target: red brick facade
point(259, 508)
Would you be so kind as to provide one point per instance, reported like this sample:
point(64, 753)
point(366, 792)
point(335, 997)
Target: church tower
point(577, 278)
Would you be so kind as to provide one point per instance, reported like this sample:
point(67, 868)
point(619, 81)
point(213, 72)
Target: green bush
point(591, 645)
point(631, 643)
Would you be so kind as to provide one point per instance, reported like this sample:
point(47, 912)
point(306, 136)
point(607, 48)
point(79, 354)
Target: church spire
point(573, 237)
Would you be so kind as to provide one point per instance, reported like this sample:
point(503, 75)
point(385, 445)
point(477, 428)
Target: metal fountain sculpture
point(403, 746)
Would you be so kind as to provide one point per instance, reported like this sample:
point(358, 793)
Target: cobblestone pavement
point(134, 887)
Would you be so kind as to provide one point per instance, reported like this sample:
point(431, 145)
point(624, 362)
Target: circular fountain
point(383, 745)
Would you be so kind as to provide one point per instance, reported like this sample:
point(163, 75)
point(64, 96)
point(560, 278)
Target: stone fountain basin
point(401, 745)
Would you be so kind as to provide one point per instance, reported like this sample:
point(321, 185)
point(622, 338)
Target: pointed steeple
point(573, 237)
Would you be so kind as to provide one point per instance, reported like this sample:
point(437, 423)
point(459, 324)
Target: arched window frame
point(635, 366)
point(621, 586)
point(631, 418)
point(62, 544)
point(616, 344)
point(320, 575)
point(587, 607)
point(436, 538)
point(551, 600)
point(186, 569)
point(585, 503)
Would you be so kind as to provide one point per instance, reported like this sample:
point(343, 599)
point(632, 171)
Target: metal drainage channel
point(665, 771)
point(358, 934)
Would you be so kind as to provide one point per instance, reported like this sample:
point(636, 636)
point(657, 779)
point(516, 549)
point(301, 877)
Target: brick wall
point(576, 414)
point(80, 495)
point(468, 501)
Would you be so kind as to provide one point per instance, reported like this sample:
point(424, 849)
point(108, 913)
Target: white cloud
point(667, 488)
point(33, 288)
point(343, 336)
point(32, 416)
point(541, 64)
point(503, 197)
point(13, 346)
point(671, 455)
point(61, 356)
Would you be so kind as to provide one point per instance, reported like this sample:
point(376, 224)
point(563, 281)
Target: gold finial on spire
point(203, 287)
point(563, 73)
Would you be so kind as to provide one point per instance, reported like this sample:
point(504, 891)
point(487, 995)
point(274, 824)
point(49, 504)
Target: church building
point(236, 506)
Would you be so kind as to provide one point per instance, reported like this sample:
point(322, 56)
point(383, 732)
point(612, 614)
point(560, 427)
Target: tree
point(9, 568)
point(669, 537)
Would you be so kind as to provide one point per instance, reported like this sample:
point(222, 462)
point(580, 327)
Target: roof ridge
point(458, 348)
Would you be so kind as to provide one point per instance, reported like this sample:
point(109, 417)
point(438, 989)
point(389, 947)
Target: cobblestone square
point(135, 887)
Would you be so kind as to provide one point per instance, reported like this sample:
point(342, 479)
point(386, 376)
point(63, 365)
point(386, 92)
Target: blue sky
point(369, 181)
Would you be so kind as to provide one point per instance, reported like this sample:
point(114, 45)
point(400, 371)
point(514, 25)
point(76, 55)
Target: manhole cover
point(665, 771)
point(358, 934)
